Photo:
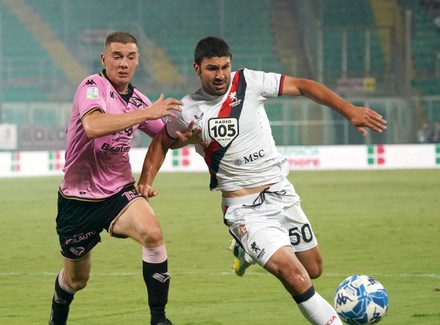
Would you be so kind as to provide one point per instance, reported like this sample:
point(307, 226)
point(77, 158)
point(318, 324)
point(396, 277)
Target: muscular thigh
point(138, 222)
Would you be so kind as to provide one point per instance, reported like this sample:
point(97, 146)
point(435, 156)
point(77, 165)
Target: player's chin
point(124, 79)
point(219, 90)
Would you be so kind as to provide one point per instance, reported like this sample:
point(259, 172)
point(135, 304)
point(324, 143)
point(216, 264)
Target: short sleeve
point(268, 83)
point(176, 124)
point(90, 94)
point(152, 127)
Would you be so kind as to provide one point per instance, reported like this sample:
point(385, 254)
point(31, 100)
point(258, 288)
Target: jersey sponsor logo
point(90, 82)
point(199, 118)
point(92, 93)
point(223, 130)
point(122, 134)
point(250, 158)
point(122, 137)
point(107, 147)
point(198, 121)
point(217, 148)
point(80, 237)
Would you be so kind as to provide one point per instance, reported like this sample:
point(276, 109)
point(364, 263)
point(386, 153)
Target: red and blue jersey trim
point(214, 153)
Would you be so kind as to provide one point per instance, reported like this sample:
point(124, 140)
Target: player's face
point(120, 62)
point(215, 74)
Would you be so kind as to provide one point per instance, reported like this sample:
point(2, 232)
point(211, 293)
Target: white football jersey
point(241, 151)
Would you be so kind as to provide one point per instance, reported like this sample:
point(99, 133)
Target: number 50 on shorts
point(298, 235)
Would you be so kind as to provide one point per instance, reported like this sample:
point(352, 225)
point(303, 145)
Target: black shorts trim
point(90, 199)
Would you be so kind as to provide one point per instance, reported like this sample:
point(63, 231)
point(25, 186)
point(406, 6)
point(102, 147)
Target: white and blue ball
point(361, 299)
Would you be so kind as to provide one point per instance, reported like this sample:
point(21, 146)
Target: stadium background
point(379, 53)
point(360, 48)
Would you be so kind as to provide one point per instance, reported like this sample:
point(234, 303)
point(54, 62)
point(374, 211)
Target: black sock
point(60, 305)
point(157, 280)
point(304, 296)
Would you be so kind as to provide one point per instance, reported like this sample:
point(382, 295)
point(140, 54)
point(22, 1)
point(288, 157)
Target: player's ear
point(197, 68)
point(103, 59)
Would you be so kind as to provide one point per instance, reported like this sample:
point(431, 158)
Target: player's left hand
point(364, 117)
point(191, 135)
point(146, 191)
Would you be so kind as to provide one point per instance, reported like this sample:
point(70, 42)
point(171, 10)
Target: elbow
point(307, 86)
point(90, 132)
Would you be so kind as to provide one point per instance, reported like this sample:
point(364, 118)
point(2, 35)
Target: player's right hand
point(164, 107)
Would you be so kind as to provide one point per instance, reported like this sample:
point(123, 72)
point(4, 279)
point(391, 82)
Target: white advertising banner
point(8, 136)
point(347, 157)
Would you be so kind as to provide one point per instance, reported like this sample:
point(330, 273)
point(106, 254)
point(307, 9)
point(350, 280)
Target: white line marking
point(128, 274)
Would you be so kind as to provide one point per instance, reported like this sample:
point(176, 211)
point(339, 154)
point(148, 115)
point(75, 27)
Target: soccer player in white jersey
point(97, 191)
point(260, 206)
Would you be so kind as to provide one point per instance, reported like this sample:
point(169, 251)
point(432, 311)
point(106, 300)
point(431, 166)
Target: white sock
point(248, 258)
point(63, 283)
point(319, 312)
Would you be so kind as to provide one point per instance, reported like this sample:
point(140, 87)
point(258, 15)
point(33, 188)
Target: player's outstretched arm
point(154, 159)
point(360, 117)
point(97, 123)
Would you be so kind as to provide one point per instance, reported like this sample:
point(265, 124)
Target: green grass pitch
point(381, 223)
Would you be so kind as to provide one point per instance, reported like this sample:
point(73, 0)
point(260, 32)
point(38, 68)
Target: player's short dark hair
point(120, 37)
point(210, 47)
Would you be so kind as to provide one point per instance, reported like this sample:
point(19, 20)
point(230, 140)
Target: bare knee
point(312, 262)
point(295, 280)
point(77, 283)
point(314, 270)
point(151, 236)
point(292, 274)
point(76, 273)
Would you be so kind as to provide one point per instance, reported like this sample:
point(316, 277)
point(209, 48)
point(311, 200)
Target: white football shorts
point(264, 222)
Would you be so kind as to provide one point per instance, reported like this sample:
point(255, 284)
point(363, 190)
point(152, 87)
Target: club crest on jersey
point(223, 130)
point(234, 100)
point(136, 101)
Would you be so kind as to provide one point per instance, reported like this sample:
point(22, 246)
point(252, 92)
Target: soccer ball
point(361, 299)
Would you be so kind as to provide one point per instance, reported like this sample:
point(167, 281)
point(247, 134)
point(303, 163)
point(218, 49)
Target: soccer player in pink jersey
point(97, 191)
point(260, 206)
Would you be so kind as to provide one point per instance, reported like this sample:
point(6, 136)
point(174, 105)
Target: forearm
point(359, 117)
point(179, 143)
point(98, 124)
point(152, 164)
point(318, 93)
point(154, 158)
point(323, 95)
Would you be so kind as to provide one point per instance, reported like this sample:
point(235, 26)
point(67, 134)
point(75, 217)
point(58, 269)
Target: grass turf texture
point(381, 223)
